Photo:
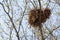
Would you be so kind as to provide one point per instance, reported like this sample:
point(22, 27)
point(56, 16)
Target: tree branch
point(11, 21)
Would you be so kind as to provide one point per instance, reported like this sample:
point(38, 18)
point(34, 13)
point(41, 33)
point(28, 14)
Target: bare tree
point(16, 23)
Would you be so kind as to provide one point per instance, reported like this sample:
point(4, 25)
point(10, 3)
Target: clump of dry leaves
point(38, 16)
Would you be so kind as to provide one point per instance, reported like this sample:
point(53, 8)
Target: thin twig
point(33, 4)
point(22, 18)
point(52, 31)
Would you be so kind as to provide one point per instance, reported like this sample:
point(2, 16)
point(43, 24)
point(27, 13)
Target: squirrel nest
point(38, 16)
